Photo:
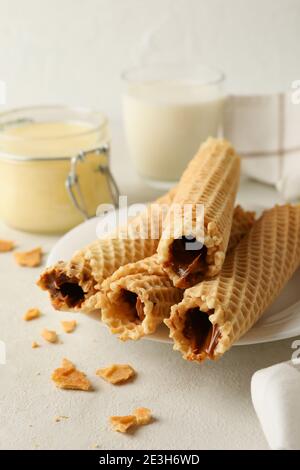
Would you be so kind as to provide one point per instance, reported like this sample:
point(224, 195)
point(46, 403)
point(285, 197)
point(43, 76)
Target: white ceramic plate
point(280, 321)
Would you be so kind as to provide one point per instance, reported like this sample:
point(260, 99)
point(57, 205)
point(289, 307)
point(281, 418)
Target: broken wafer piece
point(6, 245)
point(116, 373)
point(140, 417)
point(193, 244)
point(143, 416)
point(241, 224)
point(67, 364)
point(122, 423)
point(49, 335)
point(68, 325)
point(35, 345)
point(69, 378)
point(30, 259)
point(32, 314)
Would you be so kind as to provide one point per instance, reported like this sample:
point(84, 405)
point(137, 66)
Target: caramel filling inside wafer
point(63, 289)
point(201, 333)
point(188, 263)
point(135, 305)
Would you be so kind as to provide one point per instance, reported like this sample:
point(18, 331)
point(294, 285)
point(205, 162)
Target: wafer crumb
point(69, 325)
point(68, 377)
point(122, 423)
point(143, 416)
point(35, 345)
point(94, 446)
point(6, 245)
point(49, 335)
point(57, 419)
point(67, 365)
point(31, 259)
point(140, 417)
point(116, 373)
point(31, 314)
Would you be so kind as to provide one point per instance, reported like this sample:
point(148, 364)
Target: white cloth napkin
point(265, 129)
point(276, 399)
point(289, 187)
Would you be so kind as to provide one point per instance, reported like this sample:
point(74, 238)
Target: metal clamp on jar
point(54, 167)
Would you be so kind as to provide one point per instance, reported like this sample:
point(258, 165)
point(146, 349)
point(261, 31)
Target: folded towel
point(265, 132)
point(289, 187)
point(276, 399)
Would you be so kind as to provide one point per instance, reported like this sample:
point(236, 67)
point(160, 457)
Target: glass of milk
point(169, 110)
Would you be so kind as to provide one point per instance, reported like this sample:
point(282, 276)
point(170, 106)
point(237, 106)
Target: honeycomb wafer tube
point(242, 222)
point(138, 296)
point(72, 285)
point(214, 314)
point(191, 248)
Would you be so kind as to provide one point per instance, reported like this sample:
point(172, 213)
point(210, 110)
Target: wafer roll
point(242, 222)
point(72, 285)
point(137, 298)
point(190, 250)
point(214, 314)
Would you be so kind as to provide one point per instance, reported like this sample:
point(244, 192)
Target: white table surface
point(195, 407)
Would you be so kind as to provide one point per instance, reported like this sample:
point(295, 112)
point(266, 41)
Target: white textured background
point(73, 51)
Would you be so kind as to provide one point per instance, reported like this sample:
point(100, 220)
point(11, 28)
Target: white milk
point(165, 123)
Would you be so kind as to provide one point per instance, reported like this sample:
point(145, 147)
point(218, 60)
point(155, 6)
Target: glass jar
point(54, 167)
